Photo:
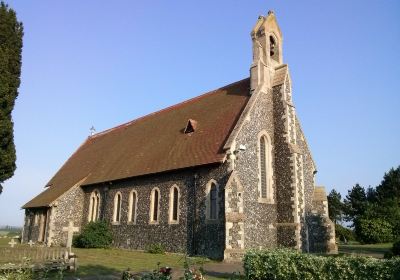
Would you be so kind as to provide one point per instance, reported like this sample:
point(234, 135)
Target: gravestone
point(12, 243)
point(70, 229)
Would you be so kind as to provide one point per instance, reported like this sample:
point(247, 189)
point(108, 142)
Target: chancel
point(224, 172)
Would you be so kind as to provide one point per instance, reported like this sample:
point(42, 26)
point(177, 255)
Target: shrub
point(156, 248)
point(288, 264)
point(344, 234)
point(94, 235)
point(372, 231)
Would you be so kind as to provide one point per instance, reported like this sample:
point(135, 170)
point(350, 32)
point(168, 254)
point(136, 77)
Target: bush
point(156, 248)
point(288, 264)
point(344, 234)
point(372, 231)
point(94, 235)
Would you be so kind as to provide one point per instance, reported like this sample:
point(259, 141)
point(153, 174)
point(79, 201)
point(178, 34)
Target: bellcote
point(267, 51)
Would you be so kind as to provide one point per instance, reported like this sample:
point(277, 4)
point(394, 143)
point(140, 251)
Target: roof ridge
point(163, 110)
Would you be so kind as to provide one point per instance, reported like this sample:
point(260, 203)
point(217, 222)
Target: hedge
point(282, 264)
point(94, 235)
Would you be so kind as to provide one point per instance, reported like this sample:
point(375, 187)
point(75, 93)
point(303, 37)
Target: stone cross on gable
point(12, 242)
point(70, 229)
point(31, 243)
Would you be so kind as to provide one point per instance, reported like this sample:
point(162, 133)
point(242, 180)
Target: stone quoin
point(227, 171)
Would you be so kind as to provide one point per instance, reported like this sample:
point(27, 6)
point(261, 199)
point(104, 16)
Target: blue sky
point(103, 63)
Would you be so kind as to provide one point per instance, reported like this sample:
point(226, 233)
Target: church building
point(227, 171)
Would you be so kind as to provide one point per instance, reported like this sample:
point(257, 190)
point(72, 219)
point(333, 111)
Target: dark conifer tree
point(335, 206)
point(11, 33)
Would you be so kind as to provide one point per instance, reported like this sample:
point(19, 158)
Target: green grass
point(4, 241)
point(97, 263)
point(373, 250)
point(112, 261)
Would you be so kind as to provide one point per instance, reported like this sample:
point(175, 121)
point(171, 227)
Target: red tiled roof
point(154, 143)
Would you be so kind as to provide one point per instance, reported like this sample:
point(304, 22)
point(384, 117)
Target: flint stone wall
point(31, 230)
point(68, 207)
point(260, 218)
point(193, 234)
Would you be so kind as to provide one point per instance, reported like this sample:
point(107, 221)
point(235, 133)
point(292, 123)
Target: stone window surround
point(132, 220)
point(268, 150)
point(28, 220)
point(208, 202)
point(36, 220)
point(97, 201)
point(151, 210)
point(114, 220)
point(171, 205)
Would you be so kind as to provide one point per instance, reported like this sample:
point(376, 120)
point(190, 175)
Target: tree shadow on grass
point(223, 275)
point(92, 272)
point(370, 251)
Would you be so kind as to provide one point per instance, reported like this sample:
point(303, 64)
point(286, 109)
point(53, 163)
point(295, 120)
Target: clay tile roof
point(154, 143)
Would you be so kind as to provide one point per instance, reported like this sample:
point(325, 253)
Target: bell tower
point(267, 52)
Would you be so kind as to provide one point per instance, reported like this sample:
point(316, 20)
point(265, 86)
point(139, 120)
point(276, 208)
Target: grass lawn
point(96, 262)
point(373, 250)
point(109, 263)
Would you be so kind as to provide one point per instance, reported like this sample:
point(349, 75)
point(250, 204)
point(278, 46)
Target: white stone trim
point(116, 221)
point(171, 205)
point(208, 201)
point(269, 169)
point(94, 207)
point(233, 178)
point(151, 210)
point(132, 220)
point(36, 219)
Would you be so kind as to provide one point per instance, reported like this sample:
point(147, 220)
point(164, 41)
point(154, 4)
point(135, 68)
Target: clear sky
point(103, 63)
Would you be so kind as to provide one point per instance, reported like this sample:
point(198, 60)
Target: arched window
point(212, 201)
point(174, 204)
point(94, 206)
point(133, 198)
point(273, 48)
point(154, 205)
point(265, 167)
point(117, 208)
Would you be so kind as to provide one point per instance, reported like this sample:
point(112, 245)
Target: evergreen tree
point(355, 203)
point(335, 206)
point(388, 199)
point(390, 186)
point(11, 33)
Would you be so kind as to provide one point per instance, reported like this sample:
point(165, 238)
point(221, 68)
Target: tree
point(390, 186)
point(355, 203)
point(335, 206)
point(11, 33)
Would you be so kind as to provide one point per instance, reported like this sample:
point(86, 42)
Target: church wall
point(208, 238)
point(321, 228)
point(68, 207)
point(31, 231)
point(285, 179)
point(318, 234)
point(308, 174)
point(31, 228)
point(260, 217)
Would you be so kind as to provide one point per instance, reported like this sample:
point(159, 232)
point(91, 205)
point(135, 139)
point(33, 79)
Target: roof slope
point(154, 143)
